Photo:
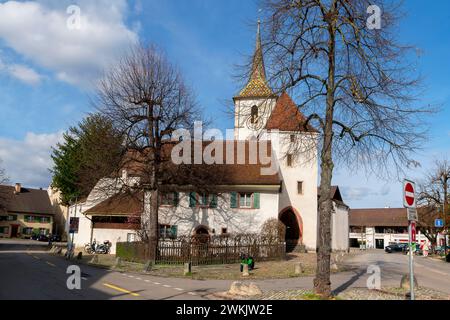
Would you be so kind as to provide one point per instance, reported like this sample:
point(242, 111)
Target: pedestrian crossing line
point(121, 289)
point(139, 279)
point(37, 258)
point(167, 286)
point(157, 283)
point(178, 289)
point(50, 264)
point(192, 293)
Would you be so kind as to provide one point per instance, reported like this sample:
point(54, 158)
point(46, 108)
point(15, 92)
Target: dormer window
point(255, 115)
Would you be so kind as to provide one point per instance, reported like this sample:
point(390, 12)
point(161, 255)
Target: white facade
point(372, 240)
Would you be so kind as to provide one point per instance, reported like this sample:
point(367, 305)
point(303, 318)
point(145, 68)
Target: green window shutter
point(205, 199)
point(192, 200)
point(176, 199)
point(213, 201)
point(256, 201)
point(234, 200)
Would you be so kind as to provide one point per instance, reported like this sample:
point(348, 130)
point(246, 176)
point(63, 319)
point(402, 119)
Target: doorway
point(14, 231)
point(293, 236)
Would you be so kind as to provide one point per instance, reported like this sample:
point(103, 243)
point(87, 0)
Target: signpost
point(409, 202)
point(438, 223)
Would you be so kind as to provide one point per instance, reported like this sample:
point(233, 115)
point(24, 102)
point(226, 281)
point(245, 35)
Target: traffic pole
point(411, 263)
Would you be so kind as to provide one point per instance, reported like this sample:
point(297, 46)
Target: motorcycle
point(94, 248)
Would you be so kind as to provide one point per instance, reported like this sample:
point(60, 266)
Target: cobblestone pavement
point(351, 294)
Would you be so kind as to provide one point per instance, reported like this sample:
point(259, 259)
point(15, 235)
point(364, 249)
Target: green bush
point(131, 251)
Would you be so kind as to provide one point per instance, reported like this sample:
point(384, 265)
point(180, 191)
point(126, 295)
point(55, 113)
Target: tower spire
point(257, 85)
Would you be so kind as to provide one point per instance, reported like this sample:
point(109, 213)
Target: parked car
point(43, 238)
point(55, 238)
point(398, 247)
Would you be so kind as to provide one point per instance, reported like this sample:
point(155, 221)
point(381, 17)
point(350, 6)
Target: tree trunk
point(322, 282)
point(153, 235)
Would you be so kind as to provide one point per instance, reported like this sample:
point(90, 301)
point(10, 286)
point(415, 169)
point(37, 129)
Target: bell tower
point(255, 102)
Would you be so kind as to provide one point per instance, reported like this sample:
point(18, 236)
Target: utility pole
point(445, 179)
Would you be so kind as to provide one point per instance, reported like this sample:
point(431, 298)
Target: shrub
point(274, 229)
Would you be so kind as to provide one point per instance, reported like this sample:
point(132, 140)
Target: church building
point(247, 197)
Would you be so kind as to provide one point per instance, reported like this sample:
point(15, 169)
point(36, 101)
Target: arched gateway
point(294, 228)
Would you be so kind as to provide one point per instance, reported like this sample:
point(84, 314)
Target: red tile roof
point(286, 117)
point(387, 217)
point(217, 174)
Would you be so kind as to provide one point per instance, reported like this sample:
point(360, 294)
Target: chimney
point(18, 188)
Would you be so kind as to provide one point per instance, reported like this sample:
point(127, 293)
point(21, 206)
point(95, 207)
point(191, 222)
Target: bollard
point(245, 272)
point(94, 259)
point(298, 269)
point(187, 269)
point(148, 266)
point(118, 263)
point(80, 256)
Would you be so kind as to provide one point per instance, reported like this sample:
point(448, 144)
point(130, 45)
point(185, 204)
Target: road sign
point(409, 194)
point(439, 223)
point(412, 214)
point(413, 232)
point(74, 225)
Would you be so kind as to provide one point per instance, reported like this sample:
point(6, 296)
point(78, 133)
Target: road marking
point(50, 264)
point(121, 289)
point(139, 279)
point(147, 280)
point(37, 258)
point(157, 283)
point(130, 276)
point(179, 289)
point(192, 293)
point(85, 279)
point(167, 286)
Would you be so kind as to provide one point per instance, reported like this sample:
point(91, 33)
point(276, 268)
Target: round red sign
point(409, 194)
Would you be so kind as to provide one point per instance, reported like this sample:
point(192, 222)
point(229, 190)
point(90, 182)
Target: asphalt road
point(27, 271)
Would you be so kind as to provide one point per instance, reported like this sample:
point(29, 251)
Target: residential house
point(26, 212)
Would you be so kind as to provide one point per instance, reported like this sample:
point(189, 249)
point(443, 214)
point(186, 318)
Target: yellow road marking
point(121, 289)
point(50, 264)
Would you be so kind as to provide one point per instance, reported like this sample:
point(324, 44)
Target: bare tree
point(147, 100)
point(354, 85)
point(434, 196)
point(3, 180)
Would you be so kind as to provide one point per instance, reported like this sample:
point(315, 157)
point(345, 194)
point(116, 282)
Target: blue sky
point(47, 72)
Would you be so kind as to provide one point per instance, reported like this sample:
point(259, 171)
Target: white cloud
point(21, 72)
point(28, 161)
point(38, 31)
point(24, 73)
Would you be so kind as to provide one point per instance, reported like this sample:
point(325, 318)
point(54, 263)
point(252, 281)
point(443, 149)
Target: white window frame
point(246, 200)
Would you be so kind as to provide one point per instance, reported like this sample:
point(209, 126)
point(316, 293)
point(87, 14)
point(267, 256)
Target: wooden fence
point(179, 252)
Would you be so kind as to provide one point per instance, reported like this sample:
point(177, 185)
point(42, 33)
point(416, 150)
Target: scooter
point(94, 248)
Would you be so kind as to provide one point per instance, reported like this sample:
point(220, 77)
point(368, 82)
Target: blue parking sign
point(439, 223)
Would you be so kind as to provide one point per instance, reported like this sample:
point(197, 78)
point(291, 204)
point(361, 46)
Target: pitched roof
point(217, 174)
point(123, 204)
point(335, 195)
point(257, 86)
point(388, 217)
point(27, 201)
point(286, 117)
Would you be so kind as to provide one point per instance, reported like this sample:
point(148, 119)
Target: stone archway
point(294, 228)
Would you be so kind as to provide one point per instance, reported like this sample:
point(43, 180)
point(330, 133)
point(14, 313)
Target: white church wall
point(340, 228)
point(234, 220)
point(243, 128)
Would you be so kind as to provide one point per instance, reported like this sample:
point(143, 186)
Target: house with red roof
point(246, 195)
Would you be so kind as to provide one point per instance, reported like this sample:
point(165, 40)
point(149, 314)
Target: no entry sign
point(409, 194)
